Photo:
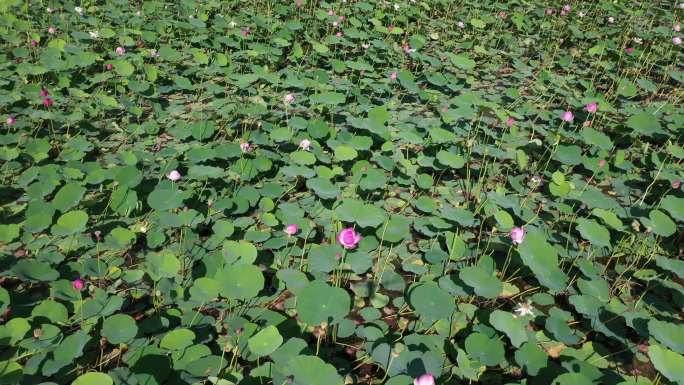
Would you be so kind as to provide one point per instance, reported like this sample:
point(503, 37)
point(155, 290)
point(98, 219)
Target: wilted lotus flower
point(567, 8)
point(611, 20)
point(517, 235)
point(390, 27)
point(305, 144)
point(109, 66)
point(523, 309)
point(78, 284)
point(348, 238)
point(120, 50)
point(677, 27)
point(78, 10)
point(676, 40)
point(245, 147)
point(550, 11)
point(460, 24)
point(10, 120)
point(393, 75)
point(591, 108)
point(291, 229)
point(44, 92)
point(245, 32)
point(154, 53)
point(676, 183)
point(47, 102)
point(288, 99)
point(568, 116)
point(335, 24)
point(298, 3)
point(510, 122)
point(502, 14)
point(52, 30)
point(629, 50)
point(94, 34)
point(34, 42)
point(49, 10)
point(174, 175)
point(425, 379)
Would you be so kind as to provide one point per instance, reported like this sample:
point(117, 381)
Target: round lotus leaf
point(571, 379)
point(593, 232)
point(431, 302)
point(68, 197)
point(52, 310)
point(531, 358)
point(240, 281)
point(487, 350)
point(177, 339)
point(265, 341)
point(318, 302)
point(71, 222)
point(667, 362)
point(119, 328)
point(484, 283)
point(311, 370)
point(162, 265)
point(661, 224)
point(33, 270)
point(239, 252)
point(669, 334)
point(542, 259)
point(93, 378)
point(514, 327)
point(363, 214)
point(204, 289)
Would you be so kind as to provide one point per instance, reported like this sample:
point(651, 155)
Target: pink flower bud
point(291, 229)
point(174, 175)
point(78, 284)
point(568, 116)
point(591, 108)
point(517, 235)
point(120, 50)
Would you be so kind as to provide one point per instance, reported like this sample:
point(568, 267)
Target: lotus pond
point(354, 192)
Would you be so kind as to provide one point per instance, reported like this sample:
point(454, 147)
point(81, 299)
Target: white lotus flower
point(523, 309)
point(78, 10)
point(94, 34)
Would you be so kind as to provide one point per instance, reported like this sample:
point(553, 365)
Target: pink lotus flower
point(408, 49)
point(339, 34)
point(517, 235)
point(174, 175)
point(245, 147)
point(425, 379)
point(331, 13)
point(390, 28)
point(341, 18)
point(510, 122)
point(629, 50)
point(676, 183)
point(348, 238)
point(550, 11)
point(291, 229)
point(305, 144)
point(120, 50)
point(393, 75)
point(502, 14)
point(78, 284)
point(335, 24)
point(676, 40)
point(245, 32)
point(591, 108)
point(44, 92)
point(34, 42)
point(52, 30)
point(298, 3)
point(567, 8)
point(109, 66)
point(568, 116)
point(154, 53)
point(10, 120)
point(288, 99)
point(47, 102)
point(677, 27)
point(602, 163)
